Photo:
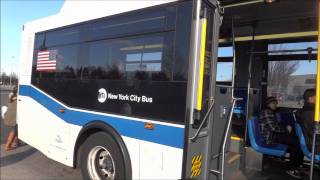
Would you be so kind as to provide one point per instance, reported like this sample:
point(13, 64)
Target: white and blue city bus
point(109, 86)
point(136, 90)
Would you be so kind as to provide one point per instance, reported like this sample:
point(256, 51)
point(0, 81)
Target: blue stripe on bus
point(162, 134)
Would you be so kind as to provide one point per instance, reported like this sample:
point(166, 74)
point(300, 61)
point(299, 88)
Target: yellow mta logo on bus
point(196, 166)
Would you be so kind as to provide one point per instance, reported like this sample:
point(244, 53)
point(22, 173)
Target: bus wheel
point(101, 158)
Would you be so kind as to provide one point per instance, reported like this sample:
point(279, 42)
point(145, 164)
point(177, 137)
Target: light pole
point(1, 76)
point(11, 74)
point(10, 79)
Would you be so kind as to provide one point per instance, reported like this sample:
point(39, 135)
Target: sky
point(15, 13)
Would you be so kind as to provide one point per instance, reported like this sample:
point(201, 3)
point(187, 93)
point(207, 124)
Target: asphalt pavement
point(25, 162)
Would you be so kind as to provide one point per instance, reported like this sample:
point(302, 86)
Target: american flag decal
point(46, 60)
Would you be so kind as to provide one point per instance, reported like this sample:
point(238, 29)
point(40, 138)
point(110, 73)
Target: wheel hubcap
point(100, 164)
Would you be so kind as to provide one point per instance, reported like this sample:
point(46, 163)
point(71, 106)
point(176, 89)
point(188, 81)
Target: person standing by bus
point(275, 133)
point(10, 119)
point(305, 118)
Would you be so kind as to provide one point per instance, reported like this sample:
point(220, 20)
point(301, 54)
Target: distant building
point(291, 95)
point(299, 83)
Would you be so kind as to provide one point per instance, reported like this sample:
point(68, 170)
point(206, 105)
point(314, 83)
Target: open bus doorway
point(276, 53)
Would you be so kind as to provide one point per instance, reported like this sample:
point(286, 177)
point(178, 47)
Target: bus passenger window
point(287, 80)
point(224, 72)
point(140, 66)
point(224, 65)
point(291, 70)
point(129, 58)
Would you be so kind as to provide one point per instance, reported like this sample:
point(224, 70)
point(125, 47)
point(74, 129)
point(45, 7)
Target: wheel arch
point(98, 126)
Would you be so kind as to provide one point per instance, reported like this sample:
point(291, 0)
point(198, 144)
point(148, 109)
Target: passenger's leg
point(16, 140)
point(296, 155)
point(298, 152)
point(10, 139)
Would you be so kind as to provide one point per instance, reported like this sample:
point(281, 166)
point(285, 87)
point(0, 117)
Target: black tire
point(101, 140)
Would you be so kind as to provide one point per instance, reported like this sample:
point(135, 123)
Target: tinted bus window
point(65, 66)
point(138, 68)
point(135, 23)
point(39, 41)
point(110, 28)
point(64, 36)
point(139, 58)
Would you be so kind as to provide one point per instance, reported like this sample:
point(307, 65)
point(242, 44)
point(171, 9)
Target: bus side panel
point(160, 161)
point(30, 129)
point(133, 146)
point(26, 58)
point(45, 131)
point(56, 139)
point(37, 126)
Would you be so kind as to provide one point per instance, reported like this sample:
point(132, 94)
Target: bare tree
point(279, 73)
point(8, 79)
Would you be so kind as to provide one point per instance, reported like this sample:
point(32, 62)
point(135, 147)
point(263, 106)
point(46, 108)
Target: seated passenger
point(305, 118)
point(274, 133)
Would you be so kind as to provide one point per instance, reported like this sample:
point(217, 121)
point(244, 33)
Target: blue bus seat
point(258, 144)
point(303, 144)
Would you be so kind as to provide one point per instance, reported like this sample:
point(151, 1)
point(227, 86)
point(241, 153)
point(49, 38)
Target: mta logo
point(102, 95)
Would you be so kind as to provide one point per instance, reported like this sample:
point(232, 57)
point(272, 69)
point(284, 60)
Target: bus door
point(209, 106)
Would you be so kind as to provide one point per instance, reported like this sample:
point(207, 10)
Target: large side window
point(59, 61)
point(287, 80)
point(138, 58)
point(67, 61)
point(131, 24)
point(74, 34)
point(291, 70)
point(133, 59)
